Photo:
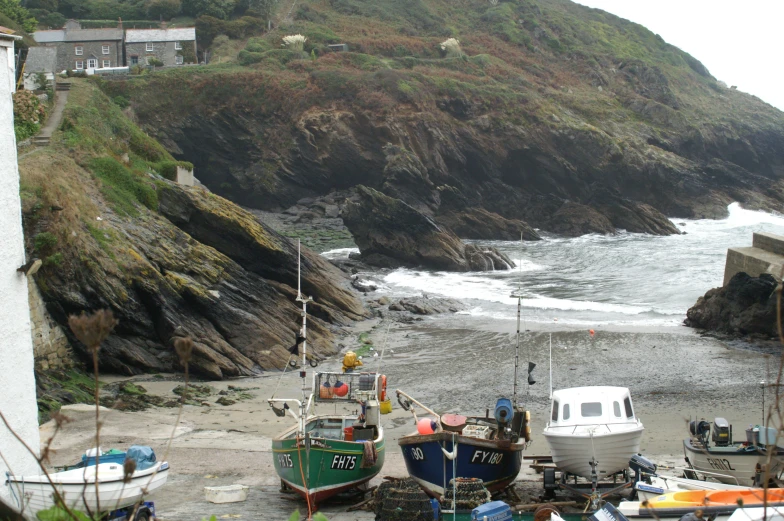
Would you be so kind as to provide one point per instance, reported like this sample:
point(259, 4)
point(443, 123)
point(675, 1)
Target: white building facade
point(17, 379)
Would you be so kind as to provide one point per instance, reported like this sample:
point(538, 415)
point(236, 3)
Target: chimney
point(119, 24)
point(163, 24)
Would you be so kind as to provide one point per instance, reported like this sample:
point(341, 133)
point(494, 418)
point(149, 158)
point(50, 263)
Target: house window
point(178, 60)
point(92, 63)
point(105, 49)
point(78, 50)
point(134, 60)
point(150, 46)
point(79, 65)
point(177, 46)
point(106, 63)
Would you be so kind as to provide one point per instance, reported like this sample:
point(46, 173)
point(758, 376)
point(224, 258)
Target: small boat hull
point(572, 452)
point(711, 502)
point(32, 494)
point(328, 467)
point(666, 484)
point(496, 463)
point(736, 464)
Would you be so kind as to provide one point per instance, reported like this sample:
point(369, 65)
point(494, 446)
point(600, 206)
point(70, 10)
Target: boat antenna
point(304, 336)
point(519, 296)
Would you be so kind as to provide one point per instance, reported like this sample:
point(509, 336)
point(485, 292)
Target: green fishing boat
point(324, 454)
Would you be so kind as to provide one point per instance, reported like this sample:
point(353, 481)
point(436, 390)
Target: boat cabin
point(591, 406)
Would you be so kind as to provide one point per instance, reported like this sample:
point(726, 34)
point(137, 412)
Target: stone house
point(170, 46)
point(40, 60)
point(81, 49)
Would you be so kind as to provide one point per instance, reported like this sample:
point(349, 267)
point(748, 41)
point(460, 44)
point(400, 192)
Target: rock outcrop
point(169, 261)
point(746, 306)
point(390, 233)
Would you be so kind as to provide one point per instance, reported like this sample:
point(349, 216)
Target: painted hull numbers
point(486, 457)
point(343, 462)
point(284, 461)
point(720, 463)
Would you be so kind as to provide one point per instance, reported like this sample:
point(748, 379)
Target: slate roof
point(57, 35)
point(78, 35)
point(177, 34)
point(41, 59)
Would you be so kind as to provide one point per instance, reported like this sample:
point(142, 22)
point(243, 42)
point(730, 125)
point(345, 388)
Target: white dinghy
point(31, 494)
point(593, 430)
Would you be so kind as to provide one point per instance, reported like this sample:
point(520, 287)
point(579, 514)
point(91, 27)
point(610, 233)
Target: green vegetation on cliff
point(169, 261)
point(549, 112)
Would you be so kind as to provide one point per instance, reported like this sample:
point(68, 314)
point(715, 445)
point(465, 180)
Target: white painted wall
point(31, 80)
point(184, 177)
point(17, 380)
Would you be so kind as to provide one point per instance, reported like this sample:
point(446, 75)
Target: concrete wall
point(184, 176)
point(50, 345)
point(766, 255)
point(17, 380)
point(31, 80)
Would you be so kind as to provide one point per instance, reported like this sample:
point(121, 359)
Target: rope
point(280, 380)
point(304, 481)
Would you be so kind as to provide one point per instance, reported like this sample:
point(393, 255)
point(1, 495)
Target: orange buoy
point(592, 332)
point(426, 426)
point(340, 389)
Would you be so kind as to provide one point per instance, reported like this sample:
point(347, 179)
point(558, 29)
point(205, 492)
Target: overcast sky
point(740, 42)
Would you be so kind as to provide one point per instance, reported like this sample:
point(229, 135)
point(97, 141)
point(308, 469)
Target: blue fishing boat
point(450, 446)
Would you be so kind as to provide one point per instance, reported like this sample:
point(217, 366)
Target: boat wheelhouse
point(593, 431)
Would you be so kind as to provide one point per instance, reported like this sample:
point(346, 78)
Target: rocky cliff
point(564, 117)
point(169, 261)
point(746, 306)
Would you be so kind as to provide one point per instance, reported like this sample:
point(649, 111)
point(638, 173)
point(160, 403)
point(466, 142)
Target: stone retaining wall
point(50, 345)
point(766, 255)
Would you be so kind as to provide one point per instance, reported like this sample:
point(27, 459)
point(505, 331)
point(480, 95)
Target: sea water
point(627, 279)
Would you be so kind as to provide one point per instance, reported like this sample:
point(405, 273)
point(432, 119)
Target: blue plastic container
point(503, 410)
point(436, 509)
point(493, 511)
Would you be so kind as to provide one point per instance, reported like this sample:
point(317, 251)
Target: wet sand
point(453, 364)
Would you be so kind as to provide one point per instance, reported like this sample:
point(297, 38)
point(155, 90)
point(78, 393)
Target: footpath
point(53, 122)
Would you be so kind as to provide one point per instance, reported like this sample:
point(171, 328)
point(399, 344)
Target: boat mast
point(304, 336)
point(519, 296)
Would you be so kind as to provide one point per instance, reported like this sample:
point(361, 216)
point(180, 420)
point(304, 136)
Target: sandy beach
point(452, 363)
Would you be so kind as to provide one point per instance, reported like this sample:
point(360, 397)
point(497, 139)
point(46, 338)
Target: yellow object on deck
point(351, 362)
point(386, 406)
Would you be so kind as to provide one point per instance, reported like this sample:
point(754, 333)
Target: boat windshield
point(591, 409)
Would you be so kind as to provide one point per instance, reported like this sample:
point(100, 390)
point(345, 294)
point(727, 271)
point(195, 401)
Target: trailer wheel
point(142, 515)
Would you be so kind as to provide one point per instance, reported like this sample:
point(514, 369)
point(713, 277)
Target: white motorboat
point(593, 424)
point(77, 487)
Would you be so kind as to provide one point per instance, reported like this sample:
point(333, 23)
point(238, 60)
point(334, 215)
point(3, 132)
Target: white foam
point(339, 253)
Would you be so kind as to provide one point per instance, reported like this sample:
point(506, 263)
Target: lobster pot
point(468, 493)
point(402, 501)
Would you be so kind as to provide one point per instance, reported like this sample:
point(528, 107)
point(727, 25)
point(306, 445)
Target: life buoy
point(382, 396)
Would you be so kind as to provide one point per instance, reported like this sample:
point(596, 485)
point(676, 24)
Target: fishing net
point(469, 493)
point(401, 500)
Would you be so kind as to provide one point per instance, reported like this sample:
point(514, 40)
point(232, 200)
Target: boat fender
point(382, 396)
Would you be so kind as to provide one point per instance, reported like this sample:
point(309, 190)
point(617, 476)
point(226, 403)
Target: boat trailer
point(594, 491)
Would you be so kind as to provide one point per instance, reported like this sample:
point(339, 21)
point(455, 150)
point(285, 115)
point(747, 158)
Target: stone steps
point(63, 86)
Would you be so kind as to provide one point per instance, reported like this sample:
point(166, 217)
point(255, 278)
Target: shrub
point(28, 108)
point(122, 187)
point(122, 102)
point(45, 241)
point(209, 27)
point(155, 62)
point(295, 42)
point(24, 130)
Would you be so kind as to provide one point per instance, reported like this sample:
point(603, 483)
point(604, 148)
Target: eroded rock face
point(745, 306)
point(391, 233)
point(206, 269)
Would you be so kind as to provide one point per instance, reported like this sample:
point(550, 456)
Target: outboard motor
point(699, 428)
point(722, 432)
point(642, 467)
point(503, 415)
point(521, 424)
